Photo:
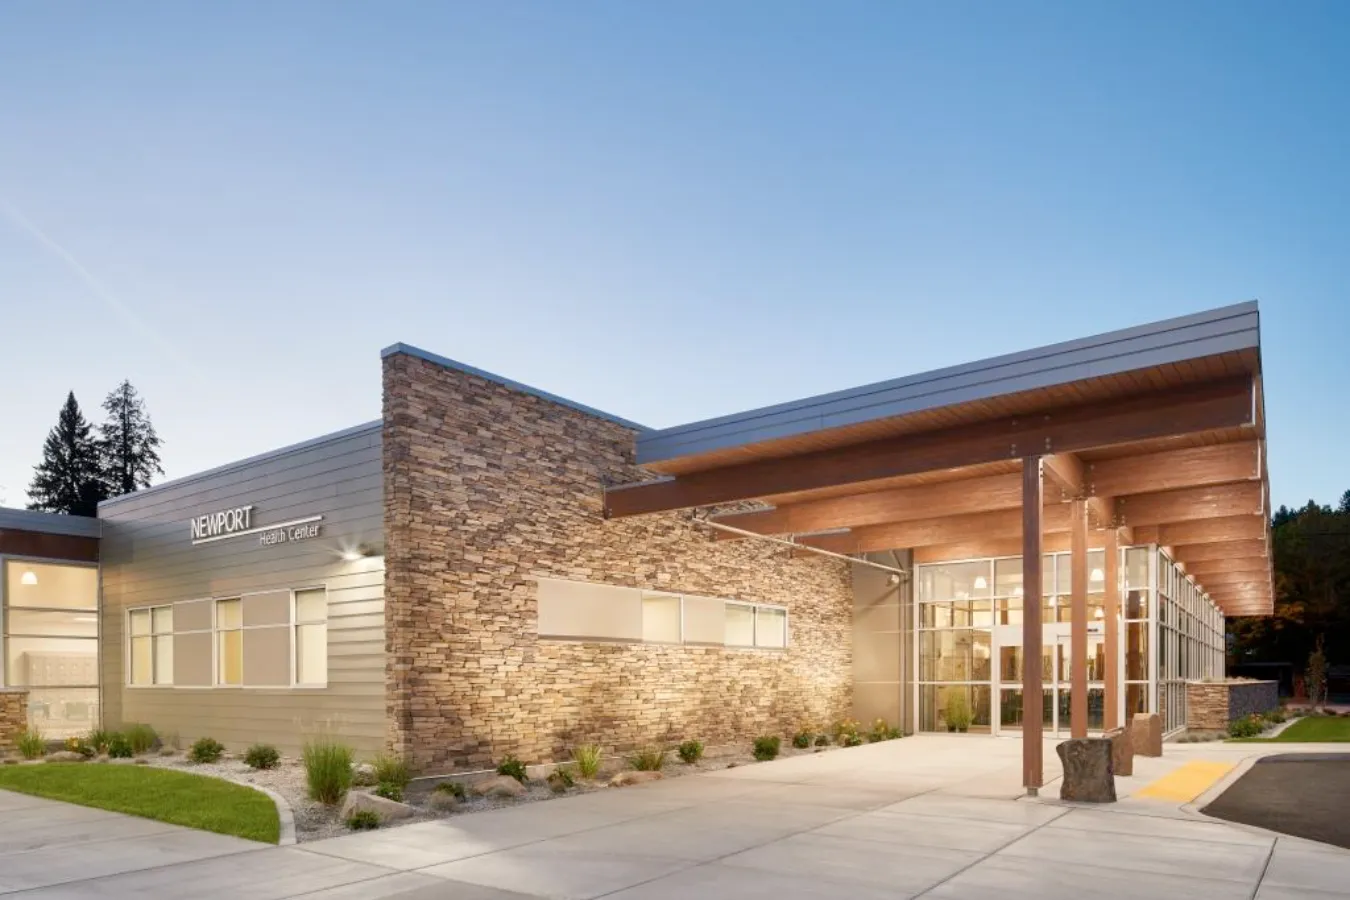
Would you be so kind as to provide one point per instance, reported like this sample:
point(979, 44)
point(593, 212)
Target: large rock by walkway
point(1122, 751)
point(387, 810)
point(1088, 773)
point(634, 777)
point(501, 786)
point(1146, 734)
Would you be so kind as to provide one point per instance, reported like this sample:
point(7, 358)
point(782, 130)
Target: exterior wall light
point(980, 583)
point(1097, 575)
point(29, 577)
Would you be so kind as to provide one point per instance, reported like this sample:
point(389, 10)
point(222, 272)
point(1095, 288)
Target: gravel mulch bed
point(315, 821)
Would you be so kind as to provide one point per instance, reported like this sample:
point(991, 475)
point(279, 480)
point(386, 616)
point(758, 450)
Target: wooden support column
point(1111, 717)
point(1033, 774)
point(1078, 578)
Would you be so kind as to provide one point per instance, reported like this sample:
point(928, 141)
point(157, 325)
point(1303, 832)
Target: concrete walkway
point(932, 816)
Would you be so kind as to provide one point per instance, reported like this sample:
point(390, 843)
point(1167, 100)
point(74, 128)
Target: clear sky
point(665, 210)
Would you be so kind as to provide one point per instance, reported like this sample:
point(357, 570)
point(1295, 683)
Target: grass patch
point(179, 798)
point(1309, 730)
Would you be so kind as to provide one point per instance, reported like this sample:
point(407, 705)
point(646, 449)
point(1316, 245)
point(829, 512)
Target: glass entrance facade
point(969, 655)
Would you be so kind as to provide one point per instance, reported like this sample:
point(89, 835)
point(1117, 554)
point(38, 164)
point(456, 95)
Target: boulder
point(1088, 774)
point(387, 810)
point(1146, 734)
point(626, 778)
point(363, 775)
point(501, 786)
point(1122, 751)
point(443, 802)
point(65, 756)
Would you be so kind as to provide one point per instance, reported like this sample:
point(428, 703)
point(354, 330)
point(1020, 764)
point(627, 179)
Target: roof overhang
point(1159, 428)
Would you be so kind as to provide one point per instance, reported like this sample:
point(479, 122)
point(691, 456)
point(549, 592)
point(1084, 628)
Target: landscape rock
point(626, 778)
point(443, 802)
point(363, 774)
point(501, 786)
point(65, 756)
point(1146, 734)
point(387, 810)
point(1088, 773)
point(1122, 751)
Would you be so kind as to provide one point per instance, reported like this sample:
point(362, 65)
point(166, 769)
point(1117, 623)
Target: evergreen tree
point(129, 442)
point(70, 477)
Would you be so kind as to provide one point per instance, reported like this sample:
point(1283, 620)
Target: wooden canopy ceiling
point(1171, 454)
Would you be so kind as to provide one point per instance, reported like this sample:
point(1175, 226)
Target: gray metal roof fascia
point(247, 461)
point(507, 382)
point(49, 523)
point(1221, 330)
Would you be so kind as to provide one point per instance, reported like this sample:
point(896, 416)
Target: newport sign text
point(237, 521)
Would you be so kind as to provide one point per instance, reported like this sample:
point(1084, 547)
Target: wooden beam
point(1051, 543)
point(970, 495)
point(1194, 553)
point(1078, 643)
point(1111, 613)
point(1205, 568)
point(945, 530)
point(1174, 469)
point(1228, 528)
point(1237, 579)
point(1191, 504)
point(1067, 472)
point(1220, 404)
point(1033, 768)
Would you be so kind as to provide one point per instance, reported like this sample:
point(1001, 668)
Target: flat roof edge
point(1185, 337)
point(247, 461)
point(447, 362)
point(49, 523)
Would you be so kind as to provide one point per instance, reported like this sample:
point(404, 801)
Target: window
point(151, 632)
point(661, 618)
point(311, 637)
point(748, 625)
point(230, 642)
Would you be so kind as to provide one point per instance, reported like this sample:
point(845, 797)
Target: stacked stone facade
point(488, 487)
point(13, 718)
point(1211, 705)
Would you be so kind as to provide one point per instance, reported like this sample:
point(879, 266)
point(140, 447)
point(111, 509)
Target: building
point(491, 569)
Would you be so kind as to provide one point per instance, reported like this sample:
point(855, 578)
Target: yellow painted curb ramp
point(1186, 783)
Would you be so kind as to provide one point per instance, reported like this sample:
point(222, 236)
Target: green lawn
point(179, 798)
point(1311, 730)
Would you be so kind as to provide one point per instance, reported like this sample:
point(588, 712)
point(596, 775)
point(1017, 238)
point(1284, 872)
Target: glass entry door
point(1054, 703)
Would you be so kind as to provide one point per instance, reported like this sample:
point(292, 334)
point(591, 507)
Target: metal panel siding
point(48, 523)
point(149, 559)
point(1173, 341)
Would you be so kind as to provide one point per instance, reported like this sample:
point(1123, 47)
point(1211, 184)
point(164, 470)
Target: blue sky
point(668, 211)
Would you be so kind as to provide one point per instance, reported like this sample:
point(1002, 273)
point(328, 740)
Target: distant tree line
point(81, 467)
point(1311, 546)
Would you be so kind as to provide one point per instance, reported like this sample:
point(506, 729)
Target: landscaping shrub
point(1276, 717)
point(98, 739)
point(691, 751)
point(882, 731)
point(389, 791)
point(822, 740)
point(262, 756)
point(514, 768)
point(766, 747)
point(363, 820)
point(802, 739)
point(119, 747)
point(31, 744)
point(845, 728)
point(650, 760)
point(391, 770)
point(587, 758)
point(141, 737)
point(328, 770)
point(1246, 727)
point(81, 746)
point(206, 750)
point(451, 787)
point(560, 779)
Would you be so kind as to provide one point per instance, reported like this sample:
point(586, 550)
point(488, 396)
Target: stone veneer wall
point(13, 718)
point(487, 486)
point(1210, 706)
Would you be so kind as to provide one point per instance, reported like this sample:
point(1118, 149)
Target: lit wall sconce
point(1097, 575)
point(980, 583)
point(29, 577)
point(361, 551)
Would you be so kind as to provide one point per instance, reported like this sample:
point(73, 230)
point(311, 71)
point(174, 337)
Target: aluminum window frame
point(152, 636)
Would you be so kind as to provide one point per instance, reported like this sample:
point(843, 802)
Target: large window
point(230, 642)
point(51, 643)
point(311, 637)
point(151, 641)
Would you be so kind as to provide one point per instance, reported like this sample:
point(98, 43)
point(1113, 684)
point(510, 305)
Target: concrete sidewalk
point(932, 816)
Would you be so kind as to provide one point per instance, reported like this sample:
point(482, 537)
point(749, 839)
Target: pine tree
point(70, 477)
point(129, 442)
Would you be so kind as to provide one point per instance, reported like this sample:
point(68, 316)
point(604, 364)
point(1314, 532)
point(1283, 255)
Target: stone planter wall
point(13, 718)
point(488, 487)
point(1210, 706)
